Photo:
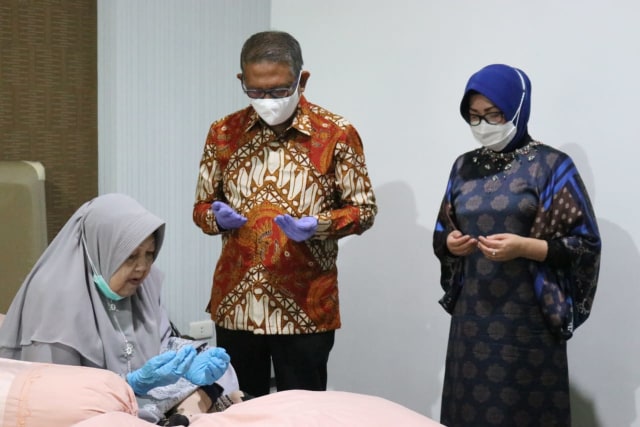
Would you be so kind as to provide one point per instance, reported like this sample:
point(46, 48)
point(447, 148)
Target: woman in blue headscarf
point(519, 249)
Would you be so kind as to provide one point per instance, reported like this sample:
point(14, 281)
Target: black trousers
point(299, 361)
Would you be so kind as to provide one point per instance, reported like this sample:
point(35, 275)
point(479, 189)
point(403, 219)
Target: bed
point(38, 394)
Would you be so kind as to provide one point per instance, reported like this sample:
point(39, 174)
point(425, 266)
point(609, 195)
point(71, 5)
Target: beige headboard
point(23, 224)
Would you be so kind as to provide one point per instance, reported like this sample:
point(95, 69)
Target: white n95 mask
point(275, 111)
point(494, 137)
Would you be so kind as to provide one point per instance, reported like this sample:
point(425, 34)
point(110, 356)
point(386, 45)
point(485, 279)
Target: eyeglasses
point(278, 92)
point(493, 118)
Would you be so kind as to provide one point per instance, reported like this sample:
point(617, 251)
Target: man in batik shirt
point(281, 181)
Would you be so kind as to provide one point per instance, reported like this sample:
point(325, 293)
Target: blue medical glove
point(163, 369)
point(226, 217)
point(297, 229)
point(208, 366)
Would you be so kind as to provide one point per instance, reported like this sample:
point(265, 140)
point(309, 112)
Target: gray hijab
point(58, 303)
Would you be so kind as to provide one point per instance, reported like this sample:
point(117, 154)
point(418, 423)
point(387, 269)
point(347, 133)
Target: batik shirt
point(264, 282)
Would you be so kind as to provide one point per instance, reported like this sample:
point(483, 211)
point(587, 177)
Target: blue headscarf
point(503, 86)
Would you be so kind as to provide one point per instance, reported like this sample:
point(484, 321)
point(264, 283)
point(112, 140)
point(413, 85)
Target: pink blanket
point(295, 408)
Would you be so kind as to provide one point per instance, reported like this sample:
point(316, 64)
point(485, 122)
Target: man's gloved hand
point(226, 217)
point(208, 366)
point(163, 369)
point(297, 229)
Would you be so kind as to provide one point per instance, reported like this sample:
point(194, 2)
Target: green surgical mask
point(102, 284)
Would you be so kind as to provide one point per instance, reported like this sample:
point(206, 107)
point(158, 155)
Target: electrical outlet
point(201, 329)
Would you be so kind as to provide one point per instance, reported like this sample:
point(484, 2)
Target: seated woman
point(94, 299)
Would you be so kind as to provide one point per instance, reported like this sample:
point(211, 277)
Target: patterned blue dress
point(506, 362)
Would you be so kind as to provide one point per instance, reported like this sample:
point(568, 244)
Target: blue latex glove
point(226, 217)
point(297, 229)
point(163, 369)
point(208, 366)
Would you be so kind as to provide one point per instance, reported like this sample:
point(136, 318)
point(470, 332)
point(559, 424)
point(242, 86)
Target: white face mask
point(275, 111)
point(494, 137)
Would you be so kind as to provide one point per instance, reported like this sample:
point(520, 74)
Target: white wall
point(397, 71)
